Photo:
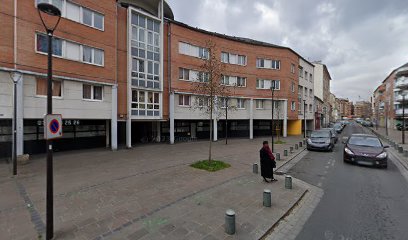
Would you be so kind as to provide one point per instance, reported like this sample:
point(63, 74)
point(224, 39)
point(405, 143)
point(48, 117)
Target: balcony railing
point(399, 112)
point(401, 82)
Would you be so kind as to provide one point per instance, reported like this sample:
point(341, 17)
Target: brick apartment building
point(122, 75)
point(346, 107)
point(387, 98)
point(362, 109)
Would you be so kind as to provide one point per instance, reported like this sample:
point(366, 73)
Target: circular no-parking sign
point(54, 126)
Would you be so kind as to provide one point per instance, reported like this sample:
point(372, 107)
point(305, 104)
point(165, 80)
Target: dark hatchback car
point(320, 140)
point(366, 150)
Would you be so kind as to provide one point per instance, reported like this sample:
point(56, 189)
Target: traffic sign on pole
point(52, 126)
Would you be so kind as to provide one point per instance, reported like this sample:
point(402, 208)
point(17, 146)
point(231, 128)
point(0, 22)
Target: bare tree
point(208, 89)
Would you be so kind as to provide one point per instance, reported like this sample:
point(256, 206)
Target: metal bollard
point(396, 146)
point(405, 153)
point(285, 152)
point(300, 144)
point(255, 168)
point(304, 142)
point(291, 149)
point(400, 149)
point(230, 222)
point(267, 198)
point(288, 182)
point(296, 146)
point(277, 155)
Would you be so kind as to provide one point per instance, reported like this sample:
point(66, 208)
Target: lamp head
point(49, 9)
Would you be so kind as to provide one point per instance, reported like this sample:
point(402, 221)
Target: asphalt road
point(358, 202)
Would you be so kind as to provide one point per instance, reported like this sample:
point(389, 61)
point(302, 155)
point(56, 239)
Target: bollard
point(300, 144)
point(291, 149)
point(255, 168)
point(396, 146)
point(277, 156)
point(285, 152)
point(296, 146)
point(267, 198)
point(230, 222)
point(405, 153)
point(400, 149)
point(304, 142)
point(288, 182)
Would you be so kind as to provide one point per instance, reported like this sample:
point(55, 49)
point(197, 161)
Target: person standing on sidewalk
point(267, 162)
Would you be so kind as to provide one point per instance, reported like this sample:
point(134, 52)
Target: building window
point(91, 92)
point(306, 92)
point(184, 100)
point(311, 77)
point(145, 51)
point(202, 100)
point(293, 106)
point(266, 84)
point(267, 63)
point(145, 103)
point(240, 103)
point(78, 13)
point(194, 51)
point(306, 75)
point(259, 104)
point(233, 58)
point(292, 87)
point(70, 50)
point(42, 87)
point(292, 68)
point(300, 72)
point(184, 74)
point(310, 93)
point(310, 108)
point(241, 82)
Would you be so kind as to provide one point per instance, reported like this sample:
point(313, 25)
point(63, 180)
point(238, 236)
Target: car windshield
point(365, 141)
point(337, 125)
point(320, 134)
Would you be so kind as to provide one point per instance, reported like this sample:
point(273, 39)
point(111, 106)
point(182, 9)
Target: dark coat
point(267, 164)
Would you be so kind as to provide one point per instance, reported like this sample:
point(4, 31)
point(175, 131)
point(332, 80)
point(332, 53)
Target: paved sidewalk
point(148, 192)
point(394, 135)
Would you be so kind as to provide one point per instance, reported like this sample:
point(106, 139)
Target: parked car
point(320, 140)
point(333, 133)
point(365, 149)
point(338, 127)
point(366, 123)
point(399, 126)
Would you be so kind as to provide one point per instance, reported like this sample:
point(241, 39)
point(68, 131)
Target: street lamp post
point(386, 118)
point(226, 120)
point(50, 10)
point(272, 124)
point(304, 116)
point(14, 151)
point(403, 118)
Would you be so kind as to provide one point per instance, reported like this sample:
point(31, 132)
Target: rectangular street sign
point(52, 126)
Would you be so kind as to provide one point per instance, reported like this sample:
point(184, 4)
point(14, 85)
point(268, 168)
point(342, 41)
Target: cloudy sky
point(361, 41)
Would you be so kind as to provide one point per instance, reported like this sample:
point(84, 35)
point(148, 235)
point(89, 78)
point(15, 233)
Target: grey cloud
point(359, 41)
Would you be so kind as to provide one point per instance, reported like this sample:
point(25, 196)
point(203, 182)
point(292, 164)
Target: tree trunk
point(211, 128)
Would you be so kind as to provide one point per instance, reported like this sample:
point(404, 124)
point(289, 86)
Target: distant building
point(362, 109)
point(346, 107)
point(322, 90)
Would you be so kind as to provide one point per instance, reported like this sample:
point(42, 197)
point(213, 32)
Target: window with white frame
point(77, 13)
point(70, 50)
point(145, 103)
point(184, 100)
point(293, 106)
point(310, 108)
point(228, 80)
point(241, 82)
point(203, 77)
point(306, 75)
point(223, 102)
point(92, 92)
point(233, 58)
point(145, 51)
point(202, 101)
point(311, 77)
point(300, 72)
point(41, 87)
point(267, 84)
point(194, 51)
point(292, 68)
point(259, 103)
point(240, 103)
point(292, 87)
point(267, 63)
point(184, 74)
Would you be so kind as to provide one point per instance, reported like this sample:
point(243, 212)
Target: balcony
point(401, 82)
point(402, 71)
point(398, 96)
point(399, 112)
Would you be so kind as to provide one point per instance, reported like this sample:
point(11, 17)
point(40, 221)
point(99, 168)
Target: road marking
point(319, 184)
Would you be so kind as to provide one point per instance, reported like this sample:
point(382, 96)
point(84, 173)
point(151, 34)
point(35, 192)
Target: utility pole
point(272, 124)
